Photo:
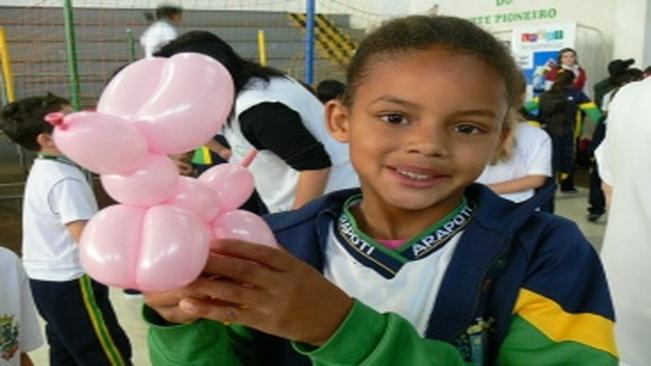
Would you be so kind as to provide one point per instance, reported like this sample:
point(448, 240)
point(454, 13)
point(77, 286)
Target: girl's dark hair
point(167, 11)
point(564, 80)
point(210, 45)
point(419, 32)
point(630, 75)
point(565, 50)
point(23, 120)
point(635, 74)
point(149, 17)
point(163, 12)
point(329, 89)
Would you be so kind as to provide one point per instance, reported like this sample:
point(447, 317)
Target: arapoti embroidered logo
point(441, 235)
point(348, 232)
point(417, 249)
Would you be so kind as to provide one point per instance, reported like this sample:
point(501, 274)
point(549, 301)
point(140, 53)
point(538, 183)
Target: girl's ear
point(45, 141)
point(337, 120)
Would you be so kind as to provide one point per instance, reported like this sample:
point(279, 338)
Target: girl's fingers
point(171, 297)
point(274, 258)
point(166, 305)
point(176, 315)
point(240, 270)
point(222, 313)
point(222, 291)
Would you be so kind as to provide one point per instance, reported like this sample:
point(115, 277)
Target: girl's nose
point(428, 142)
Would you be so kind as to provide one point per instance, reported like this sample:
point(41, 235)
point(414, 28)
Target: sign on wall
point(535, 49)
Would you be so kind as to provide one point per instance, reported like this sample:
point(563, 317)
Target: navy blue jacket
point(506, 247)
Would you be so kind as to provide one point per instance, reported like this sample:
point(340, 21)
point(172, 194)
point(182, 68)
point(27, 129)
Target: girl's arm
point(219, 149)
point(311, 184)
point(538, 158)
point(75, 229)
point(608, 193)
point(74, 203)
point(25, 360)
point(563, 314)
point(365, 338)
point(518, 184)
point(287, 298)
point(368, 338)
point(176, 338)
point(279, 129)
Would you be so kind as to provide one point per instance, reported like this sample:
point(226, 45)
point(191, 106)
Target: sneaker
point(131, 293)
point(593, 217)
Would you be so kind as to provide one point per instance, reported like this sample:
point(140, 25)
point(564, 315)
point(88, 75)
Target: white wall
point(615, 28)
point(632, 31)
point(646, 61)
point(595, 13)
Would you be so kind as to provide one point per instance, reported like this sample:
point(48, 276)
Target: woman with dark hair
point(298, 160)
point(568, 61)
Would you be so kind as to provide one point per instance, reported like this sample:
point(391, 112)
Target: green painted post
point(72, 55)
point(132, 45)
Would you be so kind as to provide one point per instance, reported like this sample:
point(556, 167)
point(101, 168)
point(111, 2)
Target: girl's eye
point(467, 129)
point(394, 119)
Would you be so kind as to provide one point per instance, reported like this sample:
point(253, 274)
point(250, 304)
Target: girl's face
point(421, 128)
point(568, 58)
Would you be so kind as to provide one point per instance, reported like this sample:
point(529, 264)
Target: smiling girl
point(418, 267)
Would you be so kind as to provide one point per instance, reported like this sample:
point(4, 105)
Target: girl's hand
point(225, 153)
point(183, 163)
point(270, 290)
point(166, 303)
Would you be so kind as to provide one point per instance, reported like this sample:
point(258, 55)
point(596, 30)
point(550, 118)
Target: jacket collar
point(491, 211)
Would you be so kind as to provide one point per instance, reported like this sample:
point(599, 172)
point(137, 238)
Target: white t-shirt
point(623, 159)
point(156, 36)
point(605, 101)
point(415, 301)
point(532, 155)
point(275, 180)
point(56, 194)
point(19, 328)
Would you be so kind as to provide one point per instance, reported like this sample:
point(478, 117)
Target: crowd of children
point(397, 248)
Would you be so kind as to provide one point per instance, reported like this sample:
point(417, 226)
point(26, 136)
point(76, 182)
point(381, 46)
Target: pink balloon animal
point(158, 237)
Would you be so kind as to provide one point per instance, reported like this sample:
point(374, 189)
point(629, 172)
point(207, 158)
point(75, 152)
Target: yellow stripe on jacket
point(549, 317)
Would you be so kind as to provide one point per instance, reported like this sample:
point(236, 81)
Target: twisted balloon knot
point(56, 119)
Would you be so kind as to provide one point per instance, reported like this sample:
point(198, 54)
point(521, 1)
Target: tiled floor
point(572, 206)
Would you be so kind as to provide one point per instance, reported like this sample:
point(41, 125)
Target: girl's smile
point(415, 177)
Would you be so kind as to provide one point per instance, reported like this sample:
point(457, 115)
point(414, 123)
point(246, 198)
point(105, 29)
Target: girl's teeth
point(413, 175)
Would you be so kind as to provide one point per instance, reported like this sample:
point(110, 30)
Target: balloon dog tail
point(249, 158)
